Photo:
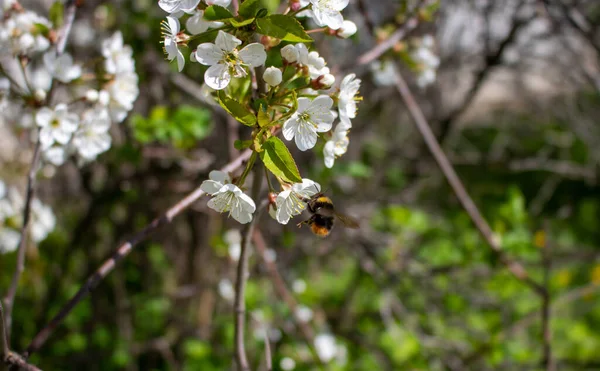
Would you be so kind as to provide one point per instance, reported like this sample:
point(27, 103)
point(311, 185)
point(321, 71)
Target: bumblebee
point(323, 215)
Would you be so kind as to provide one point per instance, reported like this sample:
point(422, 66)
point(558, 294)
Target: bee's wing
point(347, 221)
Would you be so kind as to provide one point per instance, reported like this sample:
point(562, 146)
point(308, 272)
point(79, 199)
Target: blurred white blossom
point(22, 33)
point(61, 67)
point(42, 220)
point(92, 137)
point(226, 289)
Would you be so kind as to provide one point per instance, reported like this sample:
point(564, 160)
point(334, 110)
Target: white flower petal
point(227, 42)
point(208, 54)
point(217, 76)
point(173, 25)
point(219, 176)
point(254, 54)
point(210, 186)
point(305, 138)
point(289, 128)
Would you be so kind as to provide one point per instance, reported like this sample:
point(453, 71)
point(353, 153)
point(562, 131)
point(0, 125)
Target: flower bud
point(272, 76)
point(290, 54)
point(323, 82)
point(103, 97)
point(92, 95)
point(348, 29)
point(39, 95)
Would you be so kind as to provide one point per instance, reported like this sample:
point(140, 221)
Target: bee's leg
point(307, 221)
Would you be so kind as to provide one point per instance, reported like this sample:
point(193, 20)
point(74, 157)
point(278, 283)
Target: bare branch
point(121, 252)
point(20, 266)
point(6, 356)
point(481, 224)
point(547, 360)
point(285, 295)
point(240, 282)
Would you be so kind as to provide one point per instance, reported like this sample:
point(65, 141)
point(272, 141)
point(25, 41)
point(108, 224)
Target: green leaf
point(283, 27)
point(237, 110)
point(242, 144)
point(298, 83)
point(56, 14)
point(263, 117)
point(217, 13)
point(249, 8)
point(237, 24)
point(278, 159)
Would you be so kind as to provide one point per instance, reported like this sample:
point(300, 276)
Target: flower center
point(305, 118)
point(55, 123)
point(325, 4)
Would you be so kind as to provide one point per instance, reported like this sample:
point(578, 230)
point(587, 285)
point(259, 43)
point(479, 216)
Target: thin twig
point(4, 347)
point(239, 303)
point(386, 45)
point(461, 193)
point(547, 360)
point(6, 356)
point(122, 251)
point(71, 7)
point(268, 357)
point(285, 294)
point(20, 266)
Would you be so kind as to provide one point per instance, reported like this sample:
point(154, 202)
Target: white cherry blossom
point(196, 24)
point(228, 197)
point(19, 34)
point(92, 137)
point(290, 202)
point(119, 57)
point(226, 61)
point(170, 29)
point(175, 6)
point(120, 94)
point(56, 155)
point(57, 125)
point(347, 98)
point(337, 145)
point(310, 118)
point(43, 220)
point(223, 3)
point(327, 12)
point(61, 67)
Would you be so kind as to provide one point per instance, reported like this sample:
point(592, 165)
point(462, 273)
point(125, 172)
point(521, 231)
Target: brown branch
point(121, 252)
point(71, 7)
point(467, 203)
point(6, 356)
point(284, 293)
point(239, 303)
point(9, 299)
point(376, 52)
point(547, 360)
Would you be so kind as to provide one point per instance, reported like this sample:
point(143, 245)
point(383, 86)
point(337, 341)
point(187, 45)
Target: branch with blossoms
point(277, 85)
point(65, 111)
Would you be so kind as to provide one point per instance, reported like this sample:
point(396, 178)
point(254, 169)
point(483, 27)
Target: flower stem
point(249, 166)
point(240, 282)
point(20, 266)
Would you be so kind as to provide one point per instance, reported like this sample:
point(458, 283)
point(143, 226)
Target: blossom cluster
point(427, 61)
point(79, 125)
point(312, 110)
point(42, 220)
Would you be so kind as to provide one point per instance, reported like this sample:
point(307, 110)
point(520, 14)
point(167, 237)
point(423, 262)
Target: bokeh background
point(515, 104)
